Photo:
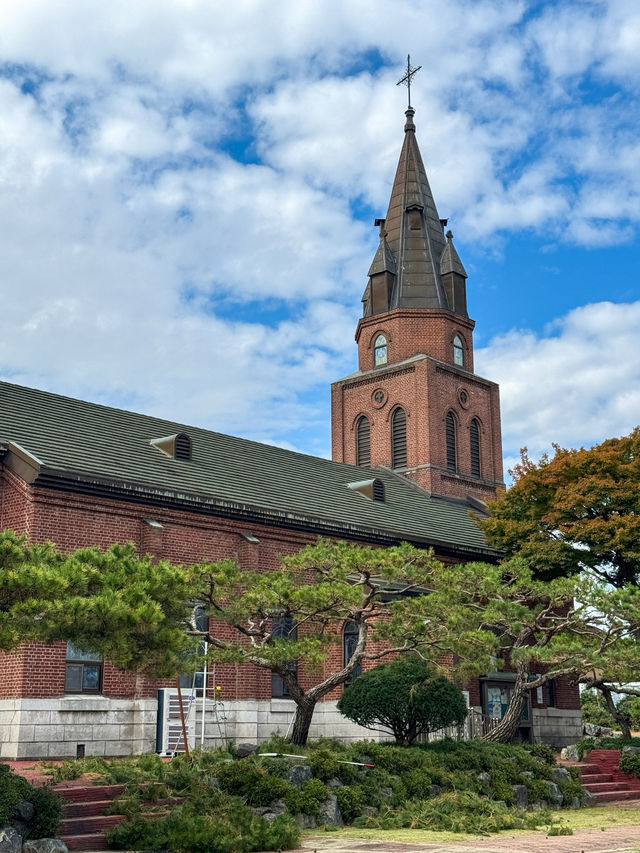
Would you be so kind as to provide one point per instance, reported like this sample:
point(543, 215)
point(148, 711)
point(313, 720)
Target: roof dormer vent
point(373, 490)
point(176, 446)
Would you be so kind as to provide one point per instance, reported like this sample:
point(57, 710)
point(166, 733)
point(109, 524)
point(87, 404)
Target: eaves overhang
point(81, 483)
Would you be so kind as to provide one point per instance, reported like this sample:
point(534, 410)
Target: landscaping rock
point(575, 803)
point(483, 777)
point(436, 790)
point(539, 804)
point(336, 783)
point(631, 749)
point(261, 811)
point(277, 807)
point(369, 811)
point(589, 799)
point(10, 840)
point(24, 811)
point(527, 774)
point(330, 812)
point(244, 749)
point(555, 797)
point(299, 774)
point(306, 821)
point(522, 798)
point(561, 774)
point(592, 730)
point(385, 793)
point(45, 845)
point(570, 753)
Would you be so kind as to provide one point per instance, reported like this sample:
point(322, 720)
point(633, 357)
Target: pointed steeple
point(413, 239)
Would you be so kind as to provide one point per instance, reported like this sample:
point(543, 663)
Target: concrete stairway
point(602, 778)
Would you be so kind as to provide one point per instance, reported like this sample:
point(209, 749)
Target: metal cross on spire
point(407, 77)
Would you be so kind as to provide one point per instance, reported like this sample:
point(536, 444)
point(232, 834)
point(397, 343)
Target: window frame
point(475, 454)
point(349, 632)
point(451, 441)
point(82, 659)
point(363, 459)
point(458, 351)
point(279, 689)
point(380, 343)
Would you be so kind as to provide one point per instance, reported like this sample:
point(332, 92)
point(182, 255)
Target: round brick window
point(379, 398)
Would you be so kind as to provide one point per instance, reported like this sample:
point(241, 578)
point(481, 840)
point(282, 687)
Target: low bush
point(47, 804)
point(630, 763)
point(351, 801)
point(462, 811)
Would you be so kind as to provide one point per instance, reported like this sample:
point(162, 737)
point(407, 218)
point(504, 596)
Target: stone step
point(90, 824)
point(596, 777)
point(92, 841)
point(602, 787)
point(84, 793)
point(615, 796)
point(86, 808)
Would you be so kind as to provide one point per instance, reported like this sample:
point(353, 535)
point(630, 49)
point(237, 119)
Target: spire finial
point(407, 78)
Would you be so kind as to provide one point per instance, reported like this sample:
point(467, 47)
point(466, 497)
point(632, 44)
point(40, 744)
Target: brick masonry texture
point(420, 377)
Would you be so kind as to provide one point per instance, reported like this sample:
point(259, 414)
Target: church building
point(416, 450)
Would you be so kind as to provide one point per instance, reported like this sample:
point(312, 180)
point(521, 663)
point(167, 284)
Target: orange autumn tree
point(576, 511)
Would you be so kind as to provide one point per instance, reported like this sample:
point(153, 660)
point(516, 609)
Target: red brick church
point(416, 445)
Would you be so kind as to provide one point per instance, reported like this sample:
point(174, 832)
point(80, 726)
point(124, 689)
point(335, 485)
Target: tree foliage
point(405, 698)
point(128, 608)
point(381, 590)
point(579, 509)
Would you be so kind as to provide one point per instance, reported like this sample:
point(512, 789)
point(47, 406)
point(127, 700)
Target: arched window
point(474, 443)
point(283, 626)
point(450, 431)
point(349, 642)
point(458, 351)
point(380, 350)
point(399, 439)
point(363, 441)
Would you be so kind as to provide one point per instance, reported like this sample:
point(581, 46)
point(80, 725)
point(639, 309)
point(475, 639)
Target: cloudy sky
point(188, 188)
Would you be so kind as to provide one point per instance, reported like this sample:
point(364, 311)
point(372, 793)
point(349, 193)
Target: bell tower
point(415, 404)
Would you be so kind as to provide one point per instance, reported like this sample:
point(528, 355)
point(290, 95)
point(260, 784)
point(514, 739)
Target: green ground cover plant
point(585, 745)
point(218, 800)
point(47, 804)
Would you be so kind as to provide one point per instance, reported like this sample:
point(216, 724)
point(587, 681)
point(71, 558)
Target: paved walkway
point(619, 839)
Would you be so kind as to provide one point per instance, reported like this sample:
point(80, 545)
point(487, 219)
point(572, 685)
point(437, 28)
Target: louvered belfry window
point(451, 441)
point(363, 442)
point(399, 439)
point(474, 441)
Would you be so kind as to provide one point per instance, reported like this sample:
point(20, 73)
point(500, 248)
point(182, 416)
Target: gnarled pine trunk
point(618, 716)
point(508, 725)
point(302, 721)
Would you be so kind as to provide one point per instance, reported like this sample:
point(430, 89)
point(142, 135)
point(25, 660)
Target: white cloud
point(576, 384)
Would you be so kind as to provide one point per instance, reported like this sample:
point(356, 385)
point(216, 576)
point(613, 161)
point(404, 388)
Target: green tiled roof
point(95, 446)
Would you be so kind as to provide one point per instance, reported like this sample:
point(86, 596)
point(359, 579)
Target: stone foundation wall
point(556, 726)
point(54, 728)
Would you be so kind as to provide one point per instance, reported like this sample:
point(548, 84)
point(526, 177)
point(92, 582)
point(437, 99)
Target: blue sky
point(187, 194)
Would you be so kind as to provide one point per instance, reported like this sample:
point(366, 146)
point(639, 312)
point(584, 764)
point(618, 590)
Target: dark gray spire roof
point(450, 260)
point(412, 242)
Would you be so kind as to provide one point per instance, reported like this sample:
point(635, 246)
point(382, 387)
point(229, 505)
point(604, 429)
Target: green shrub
point(351, 801)
point(559, 829)
point(456, 812)
point(594, 709)
point(252, 782)
point(544, 752)
point(47, 804)
point(324, 765)
point(417, 783)
point(630, 763)
point(313, 793)
point(403, 697)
